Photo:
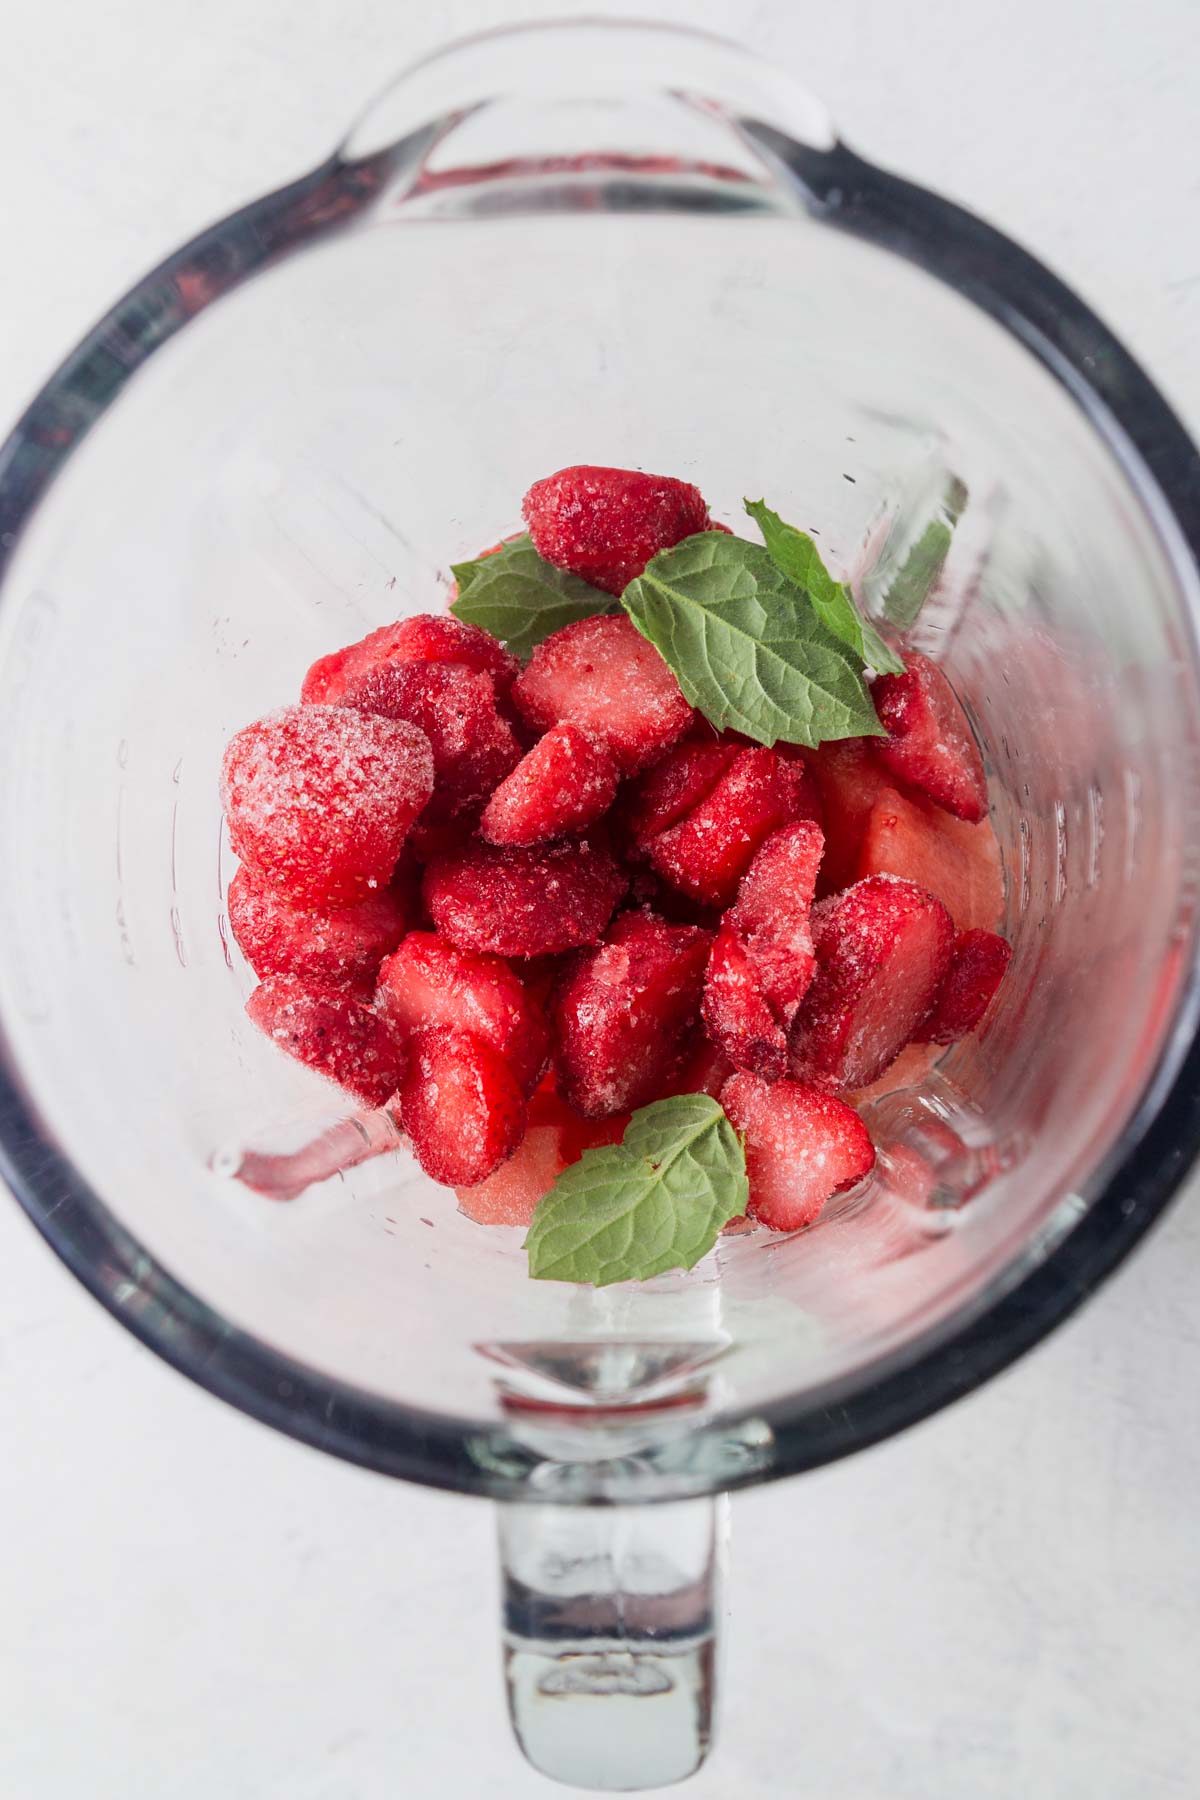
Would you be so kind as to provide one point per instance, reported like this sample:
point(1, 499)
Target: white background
point(1004, 1603)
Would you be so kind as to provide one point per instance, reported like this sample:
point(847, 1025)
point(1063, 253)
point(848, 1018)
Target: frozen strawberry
point(850, 781)
point(523, 902)
point(883, 948)
point(735, 1010)
point(929, 741)
point(473, 747)
point(426, 637)
point(332, 1032)
point(343, 948)
point(429, 982)
point(622, 1014)
point(976, 971)
point(461, 1106)
point(319, 800)
point(669, 791)
point(704, 1070)
point(960, 863)
point(706, 854)
point(803, 1145)
point(602, 675)
point(563, 784)
point(771, 915)
point(606, 524)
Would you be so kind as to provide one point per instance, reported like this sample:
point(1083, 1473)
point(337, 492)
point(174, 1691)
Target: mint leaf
point(794, 552)
point(746, 646)
point(520, 598)
point(655, 1201)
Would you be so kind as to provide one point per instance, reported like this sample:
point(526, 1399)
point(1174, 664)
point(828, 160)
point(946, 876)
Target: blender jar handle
point(609, 1623)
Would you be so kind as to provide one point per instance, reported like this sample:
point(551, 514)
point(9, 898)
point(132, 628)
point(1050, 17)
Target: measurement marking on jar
point(1060, 853)
point(1096, 833)
point(1132, 785)
point(1023, 833)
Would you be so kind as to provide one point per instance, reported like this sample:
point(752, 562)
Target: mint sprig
point(521, 598)
point(747, 646)
point(653, 1202)
point(793, 552)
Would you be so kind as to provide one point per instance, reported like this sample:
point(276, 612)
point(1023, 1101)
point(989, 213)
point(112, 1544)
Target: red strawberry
point(704, 1070)
point(735, 1010)
point(803, 1145)
point(850, 781)
point(929, 741)
point(319, 800)
point(976, 971)
point(622, 1013)
point(771, 914)
point(343, 948)
point(669, 791)
point(461, 1106)
point(706, 854)
point(602, 675)
point(563, 784)
point(332, 1032)
point(429, 982)
point(883, 948)
point(473, 747)
point(523, 902)
point(917, 841)
point(606, 524)
point(426, 637)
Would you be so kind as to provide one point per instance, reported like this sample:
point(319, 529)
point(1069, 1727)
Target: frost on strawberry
point(332, 948)
point(460, 1105)
point(735, 1010)
point(771, 914)
point(929, 741)
point(623, 1013)
point(708, 851)
point(605, 524)
point(332, 1032)
point(319, 800)
point(473, 746)
point(803, 1145)
point(564, 784)
point(426, 637)
point(976, 970)
point(668, 792)
point(428, 982)
point(524, 902)
point(602, 675)
point(883, 948)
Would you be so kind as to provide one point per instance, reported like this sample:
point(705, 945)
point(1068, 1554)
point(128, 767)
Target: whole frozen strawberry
point(319, 800)
point(606, 524)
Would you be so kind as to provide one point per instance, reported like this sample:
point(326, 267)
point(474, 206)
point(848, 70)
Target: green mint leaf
point(746, 646)
point(794, 552)
point(653, 1202)
point(520, 598)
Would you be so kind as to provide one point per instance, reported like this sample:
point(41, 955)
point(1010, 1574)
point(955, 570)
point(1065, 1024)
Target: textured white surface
point(1006, 1602)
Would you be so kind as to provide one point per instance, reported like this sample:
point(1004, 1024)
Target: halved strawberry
point(426, 637)
point(334, 949)
point(771, 914)
point(622, 1013)
point(562, 785)
point(319, 800)
point(850, 781)
point(735, 1010)
point(668, 792)
point(976, 971)
point(606, 524)
point(523, 902)
point(473, 746)
point(929, 741)
point(960, 863)
point(332, 1032)
point(602, 675)
point(706, 854)
point(803, 1145)
point(429, 982)
point(883, 948)
point(460, 1105)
